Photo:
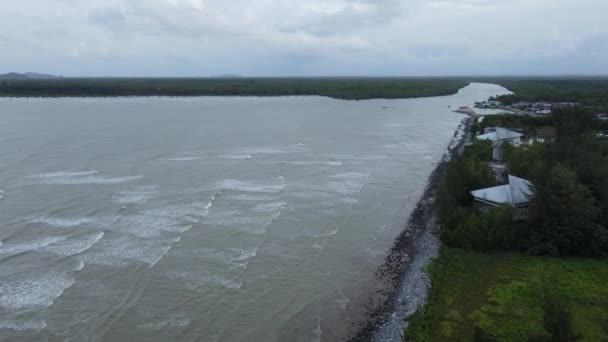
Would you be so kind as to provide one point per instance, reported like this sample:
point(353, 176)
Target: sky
point(192, 38)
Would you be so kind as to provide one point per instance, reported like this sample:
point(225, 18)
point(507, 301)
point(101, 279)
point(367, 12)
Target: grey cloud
point(303, 37)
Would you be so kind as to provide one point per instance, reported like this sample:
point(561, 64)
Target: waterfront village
point(538, 108)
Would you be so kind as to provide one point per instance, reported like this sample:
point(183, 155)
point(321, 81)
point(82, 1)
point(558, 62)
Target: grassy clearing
point(499, 297)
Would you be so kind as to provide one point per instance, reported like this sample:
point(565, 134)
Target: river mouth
point(225, 218)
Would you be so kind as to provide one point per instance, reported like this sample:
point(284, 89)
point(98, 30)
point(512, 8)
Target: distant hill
point(27, 76)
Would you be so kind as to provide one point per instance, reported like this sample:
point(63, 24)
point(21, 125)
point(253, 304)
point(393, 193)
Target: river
point(207, 218)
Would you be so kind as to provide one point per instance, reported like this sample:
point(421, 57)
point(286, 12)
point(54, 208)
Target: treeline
point(340, 88)
point(569, 211)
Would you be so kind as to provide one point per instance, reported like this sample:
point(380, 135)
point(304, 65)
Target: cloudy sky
point(304, 37)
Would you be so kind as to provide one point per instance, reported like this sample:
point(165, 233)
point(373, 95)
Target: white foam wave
point(65, 173)
point(248, 186)
point(235, 156)
point(317, 333)
point(355, 175)
point(185, 158)
point(263, 150)
point(317, 162)
point(348, 183)
point(120, 250)
point(253, 198)
point(61, 245)
point(22, 324)
point(69, 247)
point(400, 125)
point(269, 207)
point(166, 250)
point(25, 296)
point(38, 244)
point(327, 234)
point(63, 222)
point(141, 195)
point(89, 180)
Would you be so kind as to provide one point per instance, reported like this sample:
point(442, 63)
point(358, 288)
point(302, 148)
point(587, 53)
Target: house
point(543, 112)
point(498, 136)
point(516, 193)
point(494, 104)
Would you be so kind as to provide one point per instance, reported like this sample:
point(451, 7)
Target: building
point(516, 193)
point(499, 136)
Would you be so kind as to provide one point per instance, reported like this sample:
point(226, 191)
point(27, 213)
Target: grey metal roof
point(516, 193)
point(500, 133)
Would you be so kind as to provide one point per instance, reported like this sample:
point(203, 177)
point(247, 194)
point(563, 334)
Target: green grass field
point(499, 297)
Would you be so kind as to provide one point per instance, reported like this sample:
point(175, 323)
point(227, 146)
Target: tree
point(564, 216)
point(573, 121)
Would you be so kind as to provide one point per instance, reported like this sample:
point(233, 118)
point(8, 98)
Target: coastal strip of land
point(529, 268)
point(346, 88)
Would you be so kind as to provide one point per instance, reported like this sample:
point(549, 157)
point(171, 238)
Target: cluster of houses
point(516, 191)
point(539, 108)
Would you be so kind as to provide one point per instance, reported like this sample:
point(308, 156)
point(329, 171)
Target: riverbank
point(406, 283)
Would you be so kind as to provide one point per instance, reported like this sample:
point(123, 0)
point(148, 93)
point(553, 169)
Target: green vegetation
point(341, 88)
point(570, 176)
point(513, 297)
point(504, 277)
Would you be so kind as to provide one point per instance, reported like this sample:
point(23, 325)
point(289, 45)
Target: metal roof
point(517, 193)
point(500, 133)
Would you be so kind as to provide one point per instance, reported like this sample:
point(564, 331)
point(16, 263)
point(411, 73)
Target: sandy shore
point(406, 284)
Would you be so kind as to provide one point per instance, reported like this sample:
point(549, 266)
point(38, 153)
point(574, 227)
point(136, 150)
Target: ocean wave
point(140, 195)
point(235, 156)
point(63, 222)
point(25, 295)
point(317, 162)
point(185, 158)
point(70, 247)
point(249, 186)
point(269, 207)
point(121, 250)
point(17, 248)
point(60, 245)
point(89, 180)
point(250, 197)
point(166, 250)
point(65, 173)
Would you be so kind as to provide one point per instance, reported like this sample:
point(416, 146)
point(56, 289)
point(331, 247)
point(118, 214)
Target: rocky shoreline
point(405, 284)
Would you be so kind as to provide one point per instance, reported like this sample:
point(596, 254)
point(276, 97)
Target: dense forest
point(340, 88)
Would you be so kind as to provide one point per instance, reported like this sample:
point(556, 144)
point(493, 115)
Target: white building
point(517, 194)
